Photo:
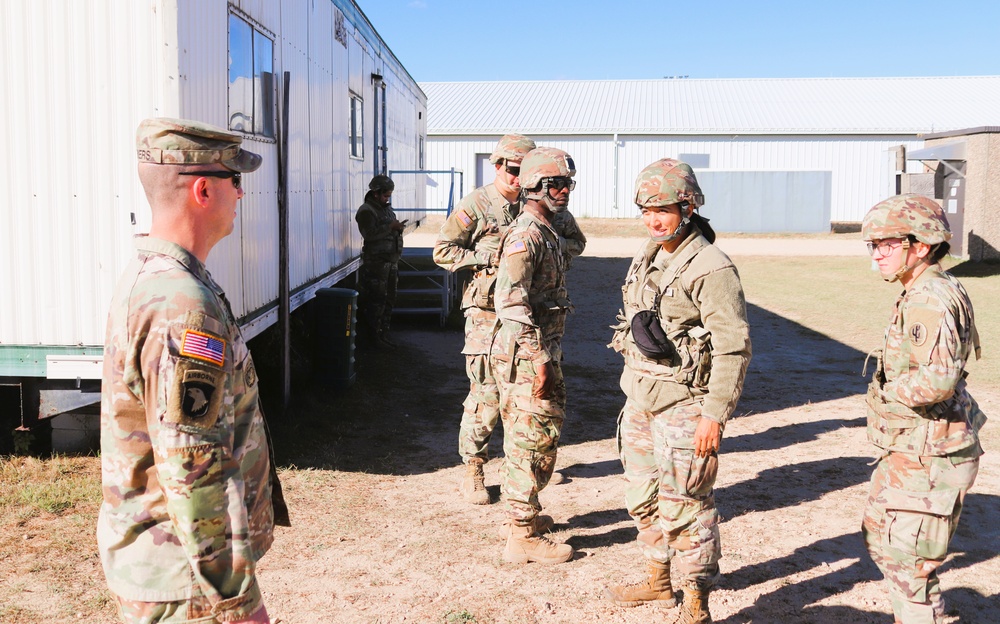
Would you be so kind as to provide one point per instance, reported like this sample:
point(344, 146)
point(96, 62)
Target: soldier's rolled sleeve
point(935, 367)
point(723, 311)
point(454, 249)
point(203, 487)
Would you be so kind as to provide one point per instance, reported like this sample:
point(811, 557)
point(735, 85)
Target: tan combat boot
point(524, 545)
point(695, 607)
point(473, 486)
point(655, 589)
point(542, 524)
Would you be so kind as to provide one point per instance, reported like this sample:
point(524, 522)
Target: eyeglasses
point(514, 170)
point(560, 183)
point(884, 247)
point(236, 176)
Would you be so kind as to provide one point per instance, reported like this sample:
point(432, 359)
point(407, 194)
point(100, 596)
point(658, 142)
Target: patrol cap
point(166, 141)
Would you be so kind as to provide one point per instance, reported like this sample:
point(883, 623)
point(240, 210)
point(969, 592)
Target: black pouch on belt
point(649, 337)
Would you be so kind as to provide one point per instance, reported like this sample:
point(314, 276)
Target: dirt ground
point(380, 534)
point(384, 536)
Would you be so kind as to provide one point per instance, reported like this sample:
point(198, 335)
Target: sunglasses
point(561, 183)
point(514, 170)
point(236, 176)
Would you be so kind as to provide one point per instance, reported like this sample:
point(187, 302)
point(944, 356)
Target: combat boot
point(655, 589)
point(694, 610)
point(473, 486)
point(542, 524)
point(524, 545)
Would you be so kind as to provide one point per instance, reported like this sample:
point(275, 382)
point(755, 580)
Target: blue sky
point(459, 40)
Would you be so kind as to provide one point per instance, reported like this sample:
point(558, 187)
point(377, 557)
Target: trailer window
point(251, 79)
point(356, 125)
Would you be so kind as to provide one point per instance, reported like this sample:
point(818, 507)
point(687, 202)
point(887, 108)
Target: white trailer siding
point(78, 79)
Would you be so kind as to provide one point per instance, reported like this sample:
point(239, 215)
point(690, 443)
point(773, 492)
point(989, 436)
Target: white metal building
point(771, 154)
point(78, 77)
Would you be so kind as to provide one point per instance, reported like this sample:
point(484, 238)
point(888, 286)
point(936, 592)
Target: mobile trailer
point(79, 76)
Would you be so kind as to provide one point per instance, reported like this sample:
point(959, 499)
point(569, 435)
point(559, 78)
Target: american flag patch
point(464, 217)
point(203, 346)
point(516, 247)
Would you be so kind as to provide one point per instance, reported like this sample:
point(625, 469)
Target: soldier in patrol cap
point(380, 254)
point(526, 353)
point(468, 241)
point(686, 343)
point(921, 416)
point(190, 491)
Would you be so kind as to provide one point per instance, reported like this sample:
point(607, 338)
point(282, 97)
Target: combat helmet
point(381, 183)
point(667, 182)
point(512, 147)
point(538, 167)
point(907, 215)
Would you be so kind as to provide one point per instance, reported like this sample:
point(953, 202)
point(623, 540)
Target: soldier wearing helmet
point(383, 246)
point(920, 413)
point(526, 354)
point(684, 336)
point(469, 240)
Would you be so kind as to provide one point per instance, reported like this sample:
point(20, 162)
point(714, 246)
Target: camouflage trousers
point(531, 436)
point(378, 281)
point(196, 610)
point(481, 409)
point(670, 493)
point(912, 512)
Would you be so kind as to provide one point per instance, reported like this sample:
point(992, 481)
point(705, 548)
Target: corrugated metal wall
point(78, 79)
point(860, 167)
point(69, 113)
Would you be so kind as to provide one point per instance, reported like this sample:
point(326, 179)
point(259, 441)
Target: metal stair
point(424, 287)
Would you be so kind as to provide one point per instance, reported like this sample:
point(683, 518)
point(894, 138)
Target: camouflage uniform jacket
point(185, 456)
point(382, 243)
point(918, 401)
point(469, 240)
point(702, 310)
point(531, 297)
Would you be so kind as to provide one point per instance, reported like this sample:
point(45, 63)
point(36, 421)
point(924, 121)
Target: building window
point(251, 79)
point(420, 163)
point(697, 161)
point(356, 125)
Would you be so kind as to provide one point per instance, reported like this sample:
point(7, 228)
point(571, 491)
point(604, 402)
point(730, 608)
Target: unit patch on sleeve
point(195, 396)
point(918, 334)
point(204, 347)
point(463, 218)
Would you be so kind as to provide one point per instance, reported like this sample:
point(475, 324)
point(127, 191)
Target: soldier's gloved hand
point(545, 378)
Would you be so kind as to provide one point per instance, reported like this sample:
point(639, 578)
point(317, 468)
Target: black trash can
point(336, 327)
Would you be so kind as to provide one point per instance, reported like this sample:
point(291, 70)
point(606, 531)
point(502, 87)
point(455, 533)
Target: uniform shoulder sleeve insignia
point(195, 397)
point(515, 247)
point(918, 334)
point(922, 327)
point(202, 346)
point(464, 218)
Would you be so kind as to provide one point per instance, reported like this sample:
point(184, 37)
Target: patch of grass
point(30, 486)
point(843, 298)
point(457, 617)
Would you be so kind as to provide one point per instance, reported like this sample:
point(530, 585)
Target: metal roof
point(714, 106)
